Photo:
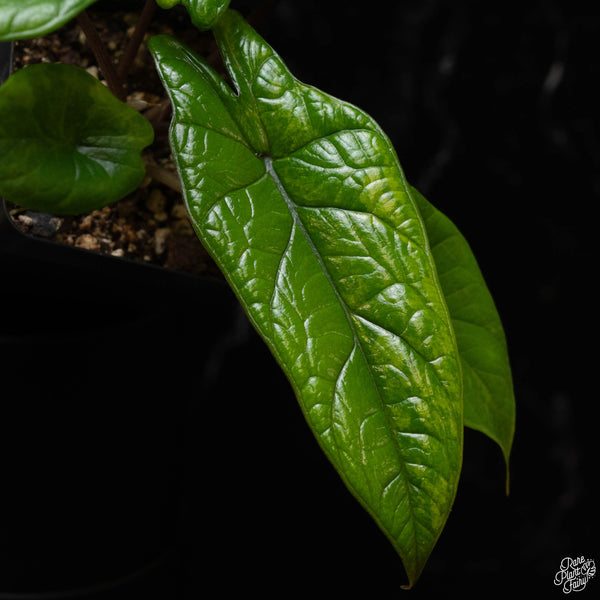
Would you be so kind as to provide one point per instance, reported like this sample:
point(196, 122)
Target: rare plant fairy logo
point(574, 573)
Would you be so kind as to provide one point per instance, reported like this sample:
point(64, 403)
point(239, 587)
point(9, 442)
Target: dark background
point(163, 422)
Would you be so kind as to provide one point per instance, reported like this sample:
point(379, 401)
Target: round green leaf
point(67, 145)
point(21, 19)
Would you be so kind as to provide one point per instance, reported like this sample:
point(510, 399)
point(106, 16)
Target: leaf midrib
point(292, 207)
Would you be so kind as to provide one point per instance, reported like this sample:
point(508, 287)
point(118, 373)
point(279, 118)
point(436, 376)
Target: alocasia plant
point(369, 298)
point(301, 200)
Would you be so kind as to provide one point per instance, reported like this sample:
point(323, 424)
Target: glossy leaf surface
point(67, 145)
point(204, 13)
point(20, 19)
point(489, 402)
point(300, 199)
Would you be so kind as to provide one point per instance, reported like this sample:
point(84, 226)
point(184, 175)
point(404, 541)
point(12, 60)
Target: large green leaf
point(20, 19)
point(67, 145)
point(489, 403)
point(204, 13)
point(301, 200)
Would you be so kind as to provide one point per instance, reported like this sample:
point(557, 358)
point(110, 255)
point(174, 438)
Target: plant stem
point(158, 112)
point(136, 38)
point(105, 64)
point(163, 175)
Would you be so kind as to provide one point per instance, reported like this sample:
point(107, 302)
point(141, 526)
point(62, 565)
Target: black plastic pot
point(103, 359)
point(28, 261)
point(95, 427)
